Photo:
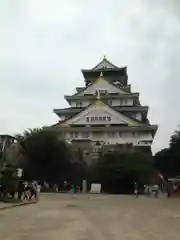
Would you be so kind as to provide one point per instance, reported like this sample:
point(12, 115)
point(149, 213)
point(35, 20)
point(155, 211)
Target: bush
point(118, 171)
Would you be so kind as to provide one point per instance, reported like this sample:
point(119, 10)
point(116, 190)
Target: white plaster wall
point(81, 135)
point(83, 103)
point(103, 85)
point(127, 102)
point(116, 118)
point(116, 102)
point(126, 137)
point(122, 102)
point(73, 104)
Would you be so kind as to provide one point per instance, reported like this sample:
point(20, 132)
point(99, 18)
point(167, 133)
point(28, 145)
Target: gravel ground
point(97, 217)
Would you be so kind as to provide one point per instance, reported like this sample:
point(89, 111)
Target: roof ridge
point(107, 61)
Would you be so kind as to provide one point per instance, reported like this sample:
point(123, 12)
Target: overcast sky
point(45, 43)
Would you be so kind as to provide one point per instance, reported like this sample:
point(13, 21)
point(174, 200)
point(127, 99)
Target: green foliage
point(78, 169)
point(115, 165)
point(124, 168)
point(48, 157)
point(167, 160)
point(175, 140)
point(8, 173)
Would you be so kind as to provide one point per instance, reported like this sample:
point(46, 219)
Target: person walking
point(155, 190)
point(74, 188)
point(168, 190)
point(26, 191)
point(78, 189)
point(38, 190)
point(33, 190)
point(20, 189)
point(136, 190)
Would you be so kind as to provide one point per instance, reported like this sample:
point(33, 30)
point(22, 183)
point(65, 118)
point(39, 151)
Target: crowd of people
point(29, 190)
point(25, 190)
point(167, 188)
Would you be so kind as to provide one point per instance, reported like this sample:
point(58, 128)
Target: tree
point(175, 140)
point(167, 160)
point(78, 168)
point(119, 170)
point(47, 156)
point(163, 162)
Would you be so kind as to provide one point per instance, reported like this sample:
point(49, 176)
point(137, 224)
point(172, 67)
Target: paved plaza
point(97, 217)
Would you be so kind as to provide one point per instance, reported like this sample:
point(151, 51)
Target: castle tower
point(105, 111)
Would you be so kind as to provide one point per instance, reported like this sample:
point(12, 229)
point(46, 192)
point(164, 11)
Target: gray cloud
point(44, 44)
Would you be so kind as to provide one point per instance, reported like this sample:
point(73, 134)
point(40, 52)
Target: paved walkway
point(98, 217)
point(11, 204)
point(2, 204)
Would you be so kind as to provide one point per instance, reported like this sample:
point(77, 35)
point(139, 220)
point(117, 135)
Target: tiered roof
point(75, 110)
point(110, 72)
point(105, 70)
point(121, 91)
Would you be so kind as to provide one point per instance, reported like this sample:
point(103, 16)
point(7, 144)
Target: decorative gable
point(100, 113)
point(104, 64)
point(102, 86)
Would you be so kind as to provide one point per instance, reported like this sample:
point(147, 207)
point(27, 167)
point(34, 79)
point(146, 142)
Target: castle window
point(110, 102)
point(76, 134)
point(111, 134)
point(133, 134)
point(103, 92)
point(87, 119)
point(85, 134)
point(79, 104)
